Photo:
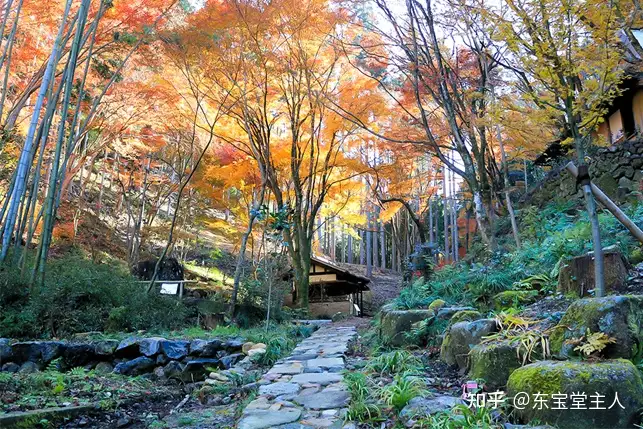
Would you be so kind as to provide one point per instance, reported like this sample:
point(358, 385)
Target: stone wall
point(187, 360)
point(615, 169)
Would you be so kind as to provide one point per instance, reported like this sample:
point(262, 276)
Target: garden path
point(304, 390)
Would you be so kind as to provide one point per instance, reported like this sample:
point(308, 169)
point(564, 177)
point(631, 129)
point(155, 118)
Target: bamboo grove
point(364, 131)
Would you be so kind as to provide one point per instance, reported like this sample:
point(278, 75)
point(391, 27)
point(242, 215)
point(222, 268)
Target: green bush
point(550, 236)
point(80, 296)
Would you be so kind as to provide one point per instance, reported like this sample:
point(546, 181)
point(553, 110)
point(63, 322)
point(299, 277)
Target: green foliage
point(413, 296)
point(460, 417)
point(427, 332)
point(404, 387)
point(80, 296)
point(550, 237)
point(363, 407)
point(394, 362)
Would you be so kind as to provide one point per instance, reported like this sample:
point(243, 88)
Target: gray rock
point(104, 367)
point(234, 345)
point(159, 372)
point(197, 369)
point(173, 370)
point(323, 378)
point(230, 360)
point(279, 388)
point(205, 348)
point(326, 363)
point(175, 349)
point(150, 346)
point(5, 350)
point(76, 355)
point(41, 352)
point(446, 313)
point(162, 360)
point(28, 367)
point(10, 367)
point(137, 366)
point(616, 316)
point(324, 400)
point(105, 347)
point(260, 419)
point(461, 337)
point(128, 348)
point(424, 407)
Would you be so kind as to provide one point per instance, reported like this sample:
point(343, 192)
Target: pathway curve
point(304, 390)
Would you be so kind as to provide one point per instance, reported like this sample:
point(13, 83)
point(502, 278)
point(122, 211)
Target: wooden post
point(609, 205)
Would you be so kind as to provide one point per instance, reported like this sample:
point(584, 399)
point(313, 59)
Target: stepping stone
point(324, 400)
point(287, 368)
point(277, 389)
point(266, 419)
point(326, 363)
point(320, 422)
point(323, 378)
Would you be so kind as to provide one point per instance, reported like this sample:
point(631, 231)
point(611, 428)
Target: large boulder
point(40, 352)
point(600, 381)
point(493, 362)
point(137, 366)
point(461, 337)
point(77, 355)
point(128, 348)
point(394, 324)
point(150, 346)
point(205, 348)
point(5, 350)
point(105, 347)
point(620, 317)
point(175, 349)
point(576, 277)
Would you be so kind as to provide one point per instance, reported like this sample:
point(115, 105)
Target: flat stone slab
point(322, 378)
point(324, 400)
point(326, 362)
point(290, 368)
point(266, 419)
point(279, 388)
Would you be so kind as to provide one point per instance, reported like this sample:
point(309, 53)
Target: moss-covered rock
point(606, 378)
point(395, 323)
point(436, 305)
point(620, 317)
point(576, 277)
point(461, 337)
point(514, 298)
point(493, 362)
point(465, 316)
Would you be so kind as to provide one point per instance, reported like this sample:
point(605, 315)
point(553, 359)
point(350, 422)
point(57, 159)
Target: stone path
point(304, 390)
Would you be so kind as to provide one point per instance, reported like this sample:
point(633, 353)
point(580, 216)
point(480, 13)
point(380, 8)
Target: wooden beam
point(609, 205)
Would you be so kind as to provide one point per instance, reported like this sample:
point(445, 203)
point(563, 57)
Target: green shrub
point(394, 362)
point(403, 388)
point(80, 296)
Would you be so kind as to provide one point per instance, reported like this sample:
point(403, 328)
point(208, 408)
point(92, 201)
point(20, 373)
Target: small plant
point(361, 411)
point(593, 343)
point(460, 417)
point(395, 362)
point(404, 388)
